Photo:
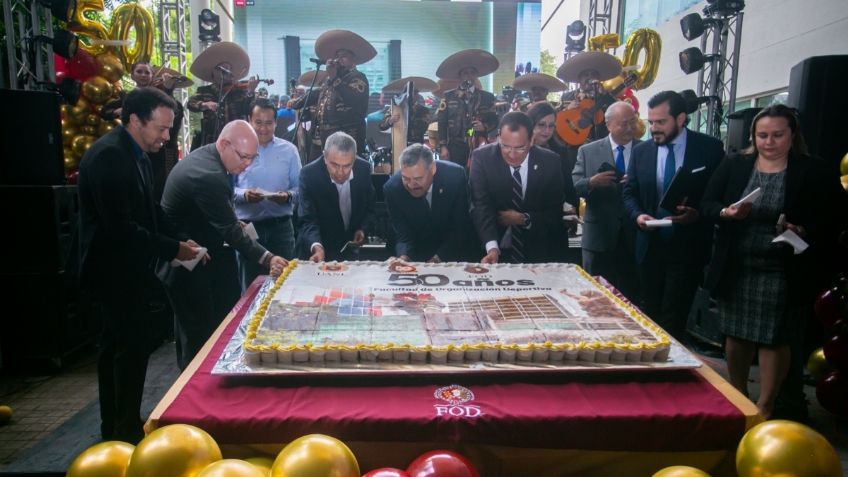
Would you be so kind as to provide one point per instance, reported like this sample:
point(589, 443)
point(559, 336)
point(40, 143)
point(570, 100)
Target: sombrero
point(306, 78)
point(444, 86)
point(538, 80)
point(332, 41)
point(222, 52)
point(605, 64)
point(481, 60)
point(418, 82)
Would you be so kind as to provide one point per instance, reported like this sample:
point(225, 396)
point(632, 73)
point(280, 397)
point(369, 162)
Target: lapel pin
point(535, 166)
point(441, 190)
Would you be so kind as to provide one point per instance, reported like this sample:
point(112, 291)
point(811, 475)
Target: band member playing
point(420, 116)
point(225, 99)
point(538, 85)
point(466, 114)
point(343, 101)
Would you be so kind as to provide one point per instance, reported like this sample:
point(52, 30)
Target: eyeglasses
point(518, 149)
point(244, 157)
point(545, 125)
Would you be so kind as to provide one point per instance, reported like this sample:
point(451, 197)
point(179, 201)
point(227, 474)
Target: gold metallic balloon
point(649, 41)
point(107, 459)
point(263, 463)
point(68, 135)
point(680, 471)
point(129, 17)
point(604, 42)
point(89, 28)
point(844, 181)
point(640, 127)
point(612, 83)
point(81, 143)
point(104, 128)
point(97, 108)
point(64, 109)
point(778, 448)
point(71, 160)
point(315, 455)
point(817, 365)
point(79, 111)
point(109, 67)
point(843, 165)
point(97, 89)
point(92, 119)
point(231, 468)
point(89, 130)
point(178, 450)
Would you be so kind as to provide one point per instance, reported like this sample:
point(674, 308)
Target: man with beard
point(670, 258)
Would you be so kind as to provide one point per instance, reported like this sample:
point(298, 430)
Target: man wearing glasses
point(517, 195)
point(198, 201)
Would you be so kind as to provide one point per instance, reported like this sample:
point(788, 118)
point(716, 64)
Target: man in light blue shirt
point(263, 194)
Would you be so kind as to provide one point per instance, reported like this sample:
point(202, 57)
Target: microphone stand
point(219, 112)
point(308, 146)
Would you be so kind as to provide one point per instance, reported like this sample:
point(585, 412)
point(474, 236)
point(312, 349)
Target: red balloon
point(836, 351)
point(830, 306)
point(82, 66)
point(72, 177)
point(386, 472)
point(832, 393)
point(442, 463)
point(61, 66)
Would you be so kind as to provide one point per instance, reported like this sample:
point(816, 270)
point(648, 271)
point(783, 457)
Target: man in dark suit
point(609, 236)
point(670, 258)
point(517, 196)
point(428, 208)
point(198, 201)
point(121, 235)
point(336, 202)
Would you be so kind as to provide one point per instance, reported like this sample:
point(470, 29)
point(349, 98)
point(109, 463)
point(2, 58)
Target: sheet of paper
point(190, 264)
point(751, 197)
point(250, 230)
point(266, 193)
point(789, 237)
point(658, 223)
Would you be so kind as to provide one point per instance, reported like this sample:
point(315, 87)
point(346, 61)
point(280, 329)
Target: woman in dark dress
point(764, 290)
point(543, 116)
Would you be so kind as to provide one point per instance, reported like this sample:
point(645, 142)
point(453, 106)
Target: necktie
point(670, 167)
point(619, 159)
point(518, 203)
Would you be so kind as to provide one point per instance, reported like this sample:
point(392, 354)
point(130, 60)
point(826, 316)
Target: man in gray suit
point(608, 236)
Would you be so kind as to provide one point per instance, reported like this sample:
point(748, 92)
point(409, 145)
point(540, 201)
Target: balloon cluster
point(781, 447)
point(829, 364)
point(437, 463)
point(643, 40)
point(99, 67)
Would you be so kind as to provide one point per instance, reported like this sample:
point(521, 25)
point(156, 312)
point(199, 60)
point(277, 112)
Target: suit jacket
point(122, 229)
point(808, 187)
point(640, 194)
point(491, 191)
point(442, 228)
point(319, 213)
point(605, 212)
point(197, 200)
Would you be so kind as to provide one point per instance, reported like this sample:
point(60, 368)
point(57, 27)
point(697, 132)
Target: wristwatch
point(526, 220)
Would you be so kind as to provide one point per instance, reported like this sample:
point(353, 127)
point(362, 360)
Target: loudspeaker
point(739, 129)
point(31, 138)
point(816, 90)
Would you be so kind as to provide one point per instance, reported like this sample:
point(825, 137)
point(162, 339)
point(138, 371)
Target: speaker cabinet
point(739, 129)
point(816, 90)
point(31, 138)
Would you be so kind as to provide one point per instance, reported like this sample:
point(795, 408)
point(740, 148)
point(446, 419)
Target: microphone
point(223, 70)
point(318, 61)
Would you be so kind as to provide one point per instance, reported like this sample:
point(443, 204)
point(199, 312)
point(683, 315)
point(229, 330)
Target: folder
point(686, 183)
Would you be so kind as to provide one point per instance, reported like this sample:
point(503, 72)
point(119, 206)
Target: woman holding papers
point(765, 289)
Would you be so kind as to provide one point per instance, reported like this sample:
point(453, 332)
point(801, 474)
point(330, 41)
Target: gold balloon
point(97, 89)
point(89, 130)
point(648, 40)
point(640, 128)
point(817, 365)
point(68, 135)
point(786, 448)
point(107, 459)
point(71, 162)
point(612, 83)
point(69, 155)
point(844, 181)
point(81, 143)
point(64, 109)
point(93, 119)
point(315, 455)
point(128, 17)
point(265, 463)
point(109, 67)
point(89, 29)
point(231, 468)
point(79, 111)
point(843, 165)
point(604, 42)
point(178, 450)
point(104, 128)
point(680, 471)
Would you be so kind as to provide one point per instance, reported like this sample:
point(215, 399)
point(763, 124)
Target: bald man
point(197, 201)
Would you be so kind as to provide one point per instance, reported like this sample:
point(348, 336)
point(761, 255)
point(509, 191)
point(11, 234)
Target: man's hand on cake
point(491, 256)
point(510, 217)
point(277, 265)
point(317, 254)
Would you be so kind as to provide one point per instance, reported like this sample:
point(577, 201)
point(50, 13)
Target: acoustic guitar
point(573, 125)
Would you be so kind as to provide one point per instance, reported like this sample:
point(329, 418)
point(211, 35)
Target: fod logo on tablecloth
point(457, 398)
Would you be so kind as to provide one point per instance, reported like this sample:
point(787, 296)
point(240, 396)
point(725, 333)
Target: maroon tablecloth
point(650, 410)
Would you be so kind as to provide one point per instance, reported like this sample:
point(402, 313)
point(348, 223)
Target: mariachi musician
point(342, 103)
point(466, 115)
point(587, 69)
point(538, 85)
point(420, 115)
point(225, 99)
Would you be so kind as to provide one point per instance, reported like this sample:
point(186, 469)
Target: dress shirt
point(345, 203)
point(522, 171)
point(275, 169)
point(679, 145)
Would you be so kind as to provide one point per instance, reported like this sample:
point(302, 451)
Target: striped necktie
point(518, 204)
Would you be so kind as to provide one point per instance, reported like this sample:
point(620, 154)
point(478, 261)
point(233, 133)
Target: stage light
point(65, 43)
point(693, 100)
point(724, 7)
point(61, 9)
point(692, 60)
point(575, 37)
point(209, 25)
point(692, 26)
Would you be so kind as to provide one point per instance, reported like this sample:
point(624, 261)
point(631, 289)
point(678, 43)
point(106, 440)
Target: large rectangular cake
point(398, 312)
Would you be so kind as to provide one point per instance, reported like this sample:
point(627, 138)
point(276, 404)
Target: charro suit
point(197, 200)
point(441, 228)
point(320, 215)
point(491, 191)
point(671, 266)
point(609, 236)
point(121, 237)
